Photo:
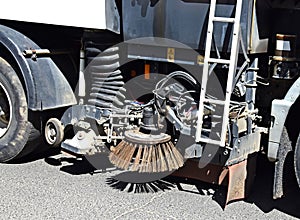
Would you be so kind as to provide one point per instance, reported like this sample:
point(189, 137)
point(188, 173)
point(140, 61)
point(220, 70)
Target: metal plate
point(237, 181)
point(175, 19)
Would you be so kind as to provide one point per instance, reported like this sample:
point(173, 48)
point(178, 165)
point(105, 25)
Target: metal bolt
point(80, 135)
point(74, 120)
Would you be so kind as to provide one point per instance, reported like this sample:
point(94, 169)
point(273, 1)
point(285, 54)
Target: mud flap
point(237, 182)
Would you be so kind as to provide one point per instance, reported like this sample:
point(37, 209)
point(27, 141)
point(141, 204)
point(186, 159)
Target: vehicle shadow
point(82, 164)
point(41, 151)
point(217, 193)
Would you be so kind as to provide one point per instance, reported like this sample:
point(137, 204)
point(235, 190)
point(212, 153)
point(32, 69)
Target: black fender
point(46, 86)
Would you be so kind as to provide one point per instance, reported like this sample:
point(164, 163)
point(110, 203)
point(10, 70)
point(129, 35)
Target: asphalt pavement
point(61, 187)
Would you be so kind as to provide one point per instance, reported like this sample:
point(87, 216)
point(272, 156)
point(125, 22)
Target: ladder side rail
point(232, 69)
point(205, 70)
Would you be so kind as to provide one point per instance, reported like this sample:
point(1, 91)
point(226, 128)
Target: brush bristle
point(136, 164)
point(146, 158)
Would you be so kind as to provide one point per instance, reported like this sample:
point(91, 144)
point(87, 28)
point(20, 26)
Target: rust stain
point(237, 181)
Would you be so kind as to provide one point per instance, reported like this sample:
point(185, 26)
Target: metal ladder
point(232, 62)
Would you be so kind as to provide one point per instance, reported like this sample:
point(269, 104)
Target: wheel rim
point(54, 132)
point(5, 111)
point(51, 133)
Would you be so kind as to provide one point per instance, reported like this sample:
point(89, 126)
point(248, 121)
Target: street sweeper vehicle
point(192, 88)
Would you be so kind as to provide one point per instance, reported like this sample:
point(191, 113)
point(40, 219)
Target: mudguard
point(280, 111)
point(278, 148)
point(46, 86)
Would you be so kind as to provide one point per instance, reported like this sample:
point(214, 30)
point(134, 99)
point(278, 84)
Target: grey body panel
point(185, 22)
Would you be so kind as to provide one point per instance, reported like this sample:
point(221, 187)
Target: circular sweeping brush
point(146, 153)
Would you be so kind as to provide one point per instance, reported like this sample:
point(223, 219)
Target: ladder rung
point(221, 61)
point(210, 141)
point(224, 19)
point(214, 101)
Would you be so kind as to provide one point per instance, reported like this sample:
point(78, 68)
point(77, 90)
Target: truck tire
point(15, 128)
point(297, 160)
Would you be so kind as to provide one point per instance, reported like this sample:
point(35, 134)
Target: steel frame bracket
point(245, 146)
point(77, 113)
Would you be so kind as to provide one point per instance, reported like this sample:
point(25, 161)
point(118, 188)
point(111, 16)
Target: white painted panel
point(88, 14)
point(283, 45)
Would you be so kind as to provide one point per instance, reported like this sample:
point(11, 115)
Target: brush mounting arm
point(171, 116)
point(73, 115)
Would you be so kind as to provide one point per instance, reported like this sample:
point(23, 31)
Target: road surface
point(60, 187)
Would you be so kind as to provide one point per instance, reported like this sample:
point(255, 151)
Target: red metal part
point(238, 177)
point(237, 181)
point(211, 173)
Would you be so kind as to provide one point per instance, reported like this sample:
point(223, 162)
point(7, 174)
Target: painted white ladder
point(232, 62)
